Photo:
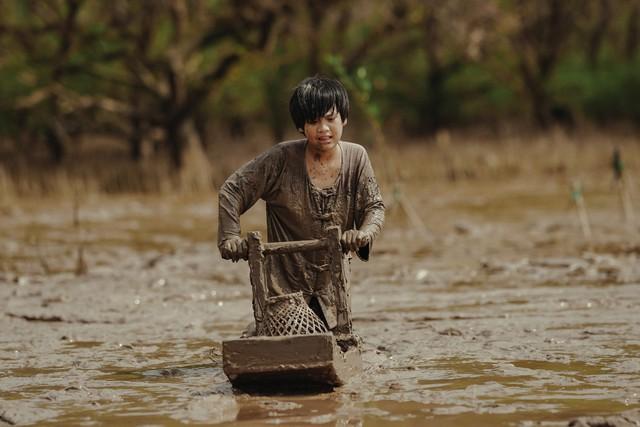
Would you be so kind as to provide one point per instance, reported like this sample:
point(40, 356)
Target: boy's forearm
point(373, 230)
point(372, 225)
point(228, 218)
point(373, 222)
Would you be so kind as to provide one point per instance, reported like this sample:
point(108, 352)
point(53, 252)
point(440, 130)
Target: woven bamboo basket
point(290, 315)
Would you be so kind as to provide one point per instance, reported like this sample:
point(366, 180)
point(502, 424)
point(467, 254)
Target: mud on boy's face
point(324, 133)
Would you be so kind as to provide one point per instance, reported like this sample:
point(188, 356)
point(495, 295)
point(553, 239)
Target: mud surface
point(500, 313)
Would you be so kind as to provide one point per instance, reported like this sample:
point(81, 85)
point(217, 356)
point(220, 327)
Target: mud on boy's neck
point(323, 167)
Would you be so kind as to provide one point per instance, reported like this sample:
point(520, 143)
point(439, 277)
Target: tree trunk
point(435, 98)
point(200, 122)
point(273, 95)
point(538, 98)
point(317, 14)
point(135, 140)
point(57, 140)
point(436, 75)
point(174, 143)
point(597, 35)
point(188, 157)
point(55, 147)
point(632, 37)
point(196, 172)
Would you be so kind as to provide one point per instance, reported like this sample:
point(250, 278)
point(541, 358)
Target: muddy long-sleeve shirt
point(297, 210)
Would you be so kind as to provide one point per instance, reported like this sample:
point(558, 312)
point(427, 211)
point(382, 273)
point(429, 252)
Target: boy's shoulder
point(354, 150)
point(284, 149)
point(352, 146)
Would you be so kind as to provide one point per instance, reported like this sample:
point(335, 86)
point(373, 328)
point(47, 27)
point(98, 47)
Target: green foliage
point(612, 93)
point(477, 95)
point(406, 63)
point(605, 94)
point(359, 83)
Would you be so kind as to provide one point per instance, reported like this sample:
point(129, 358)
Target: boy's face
point(324, 133)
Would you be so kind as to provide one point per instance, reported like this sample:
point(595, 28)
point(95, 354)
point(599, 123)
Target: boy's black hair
point(314, 97)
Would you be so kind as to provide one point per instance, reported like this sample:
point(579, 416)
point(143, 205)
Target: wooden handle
point(273, 248)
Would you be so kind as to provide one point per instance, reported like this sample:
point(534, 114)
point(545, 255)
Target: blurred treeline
point(170, 76)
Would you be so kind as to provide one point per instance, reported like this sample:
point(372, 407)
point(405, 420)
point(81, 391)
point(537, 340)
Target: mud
point(502, 315)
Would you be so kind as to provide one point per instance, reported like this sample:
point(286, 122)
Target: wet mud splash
point(505, 315)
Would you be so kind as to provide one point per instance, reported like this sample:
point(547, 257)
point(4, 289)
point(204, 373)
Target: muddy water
point(500, 313)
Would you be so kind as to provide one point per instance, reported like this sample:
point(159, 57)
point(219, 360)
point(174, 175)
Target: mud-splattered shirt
point(297, 210)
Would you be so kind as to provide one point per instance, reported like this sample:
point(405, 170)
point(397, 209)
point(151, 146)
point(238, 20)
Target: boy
point(308, 184)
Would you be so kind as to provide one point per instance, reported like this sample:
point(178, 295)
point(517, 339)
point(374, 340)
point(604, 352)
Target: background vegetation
point(162, 82)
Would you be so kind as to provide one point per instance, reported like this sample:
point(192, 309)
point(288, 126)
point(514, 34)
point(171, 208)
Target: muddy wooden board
point(301, 360)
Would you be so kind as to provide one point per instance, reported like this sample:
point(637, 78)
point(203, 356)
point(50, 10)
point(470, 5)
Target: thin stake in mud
point(583, 217)
point(81, 265)
point(622, 188)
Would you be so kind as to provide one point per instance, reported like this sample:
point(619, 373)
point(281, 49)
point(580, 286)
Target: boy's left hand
point(235, 249)
point(352, 240)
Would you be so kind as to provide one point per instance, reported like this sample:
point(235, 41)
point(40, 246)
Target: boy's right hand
point(352, 240)
point(234, 248)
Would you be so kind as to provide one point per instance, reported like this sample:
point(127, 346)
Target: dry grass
point(447, 158)
point(462, 158)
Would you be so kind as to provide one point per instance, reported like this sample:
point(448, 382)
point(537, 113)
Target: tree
point(177, 52)
point(538, 38)
point(454, 34)
point(46, 34)
point(632, 36)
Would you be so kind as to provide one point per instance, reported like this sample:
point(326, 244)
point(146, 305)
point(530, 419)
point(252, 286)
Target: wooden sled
point(326, 359)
